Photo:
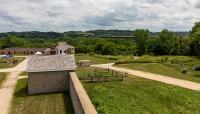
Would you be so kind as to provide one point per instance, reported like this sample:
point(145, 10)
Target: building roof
point(51, 63)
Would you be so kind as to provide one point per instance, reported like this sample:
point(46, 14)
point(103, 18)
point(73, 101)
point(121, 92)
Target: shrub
point(164, 59)
point(174, 61)
point(184, 70)
point(91, 53)
point(196, 68)
point(113, 58)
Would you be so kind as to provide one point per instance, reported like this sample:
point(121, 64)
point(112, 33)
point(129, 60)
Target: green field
point(140, 96)
point(172, 66)
point(99, 59)
point(8, 62)
point(2, 77)
point(136, 95)
point(55, 103)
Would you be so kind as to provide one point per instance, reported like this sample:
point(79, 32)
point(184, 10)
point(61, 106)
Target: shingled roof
point(51, 63)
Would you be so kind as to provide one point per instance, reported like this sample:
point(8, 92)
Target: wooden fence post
point(112, 72)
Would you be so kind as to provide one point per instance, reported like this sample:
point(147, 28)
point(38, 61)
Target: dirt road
point(161, 78)
point(7, 88)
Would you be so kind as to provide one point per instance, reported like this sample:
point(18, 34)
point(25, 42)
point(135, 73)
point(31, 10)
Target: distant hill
point(180, 33)
point(91, 33)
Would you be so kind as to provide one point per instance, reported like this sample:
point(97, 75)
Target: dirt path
point(7, 88)
point(161, 78)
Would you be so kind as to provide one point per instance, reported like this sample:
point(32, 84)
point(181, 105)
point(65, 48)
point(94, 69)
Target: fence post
point(126, 74)
point(112, 72)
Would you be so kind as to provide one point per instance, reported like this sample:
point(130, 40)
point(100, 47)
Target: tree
point(12, 41)
point(99, 47)
point(141, 36)
point(109, 49)
point(153, 46)
point(195, 39)
point(169, 42)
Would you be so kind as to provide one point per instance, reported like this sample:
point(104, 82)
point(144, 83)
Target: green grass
point(98, 59)
point(158, 68)
point(170, 67)
point(140, 96)
point(2, 77)
point(55, 103)
point(84, 71)
point(23, 74)
point(7, 62)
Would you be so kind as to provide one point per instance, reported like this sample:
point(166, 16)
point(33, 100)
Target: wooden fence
point(104, 75)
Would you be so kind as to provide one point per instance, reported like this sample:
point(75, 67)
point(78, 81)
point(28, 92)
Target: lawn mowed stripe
point(54, 103)
point(136, 95)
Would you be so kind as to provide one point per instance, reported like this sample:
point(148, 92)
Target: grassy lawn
point(2, 77)
point(98, 59)
point(140, 96)
point(55, 103)
point(8, 62)
point(136, 95)
point(171, 67)
point(23, 74)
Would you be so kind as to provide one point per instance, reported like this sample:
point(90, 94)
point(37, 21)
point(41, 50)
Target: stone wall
point(80, 100)
point(45, 82)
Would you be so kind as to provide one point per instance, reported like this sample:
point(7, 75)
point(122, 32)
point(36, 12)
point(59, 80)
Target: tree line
point(142, 42)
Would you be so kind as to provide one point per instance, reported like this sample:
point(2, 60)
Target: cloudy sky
point(65, 15)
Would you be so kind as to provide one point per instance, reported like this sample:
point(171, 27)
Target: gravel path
point(161, 78)
point(7, 88)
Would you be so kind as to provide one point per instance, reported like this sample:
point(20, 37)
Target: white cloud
point(62, 15)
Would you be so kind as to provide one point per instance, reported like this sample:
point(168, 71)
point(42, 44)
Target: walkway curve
point(161, 78)
point(7, 88)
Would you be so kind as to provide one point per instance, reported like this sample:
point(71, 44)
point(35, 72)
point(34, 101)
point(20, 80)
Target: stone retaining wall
point(80, 100)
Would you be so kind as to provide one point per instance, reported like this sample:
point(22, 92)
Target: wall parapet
point(80, 100)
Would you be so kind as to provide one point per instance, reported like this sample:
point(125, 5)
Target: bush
point(174, 61)
point(196, 68)
point(91, 53)
point(113, 58)
point(184, 70)
point(164, 59)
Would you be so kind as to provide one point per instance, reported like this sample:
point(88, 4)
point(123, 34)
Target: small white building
point(63, 48)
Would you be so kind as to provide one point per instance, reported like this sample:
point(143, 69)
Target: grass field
point(140, 96)
point(2, 77)
point(55, 103)
point(7, 62)
point(98, 59)
point(171, 67)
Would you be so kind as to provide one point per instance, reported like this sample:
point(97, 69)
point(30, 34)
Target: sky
point(66, 15)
